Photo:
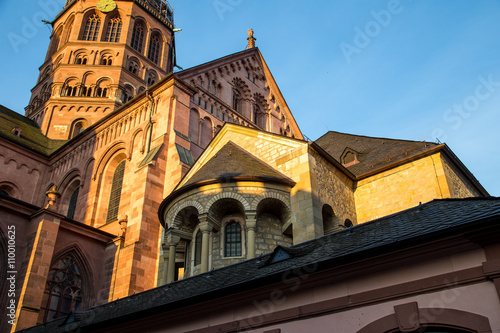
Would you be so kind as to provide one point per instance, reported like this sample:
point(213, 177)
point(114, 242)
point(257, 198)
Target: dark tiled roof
point(232, 162)
point(426, 223)
point(372, 153)
point(31, 135)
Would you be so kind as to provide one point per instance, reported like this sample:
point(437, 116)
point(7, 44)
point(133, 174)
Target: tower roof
point(372, 153)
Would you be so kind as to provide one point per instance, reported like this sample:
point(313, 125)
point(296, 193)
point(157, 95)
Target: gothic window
point(64, 288)
point(74, 197)
point(197, 248)
point(116, 192)
point(255, 114)
point(232, 240)
point(114, 30)
point(154, 48)
point(92, 28)
point(137, 36)
point(236, 100)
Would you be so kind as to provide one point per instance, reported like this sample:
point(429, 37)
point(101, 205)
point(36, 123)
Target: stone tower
point(102, 53)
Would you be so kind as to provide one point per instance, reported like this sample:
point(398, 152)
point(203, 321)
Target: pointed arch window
point(114, 30)
point(137, 36)
point(256, 114)
point(92, 28)
point(154, 48)
point(74, 197)
point(232, 239)
point(64, 292)
point(197, 248)
point(116, 192)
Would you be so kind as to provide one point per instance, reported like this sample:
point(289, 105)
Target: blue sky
point(407, 69)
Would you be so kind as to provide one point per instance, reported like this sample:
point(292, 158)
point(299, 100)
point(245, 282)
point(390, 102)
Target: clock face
point(106, 6)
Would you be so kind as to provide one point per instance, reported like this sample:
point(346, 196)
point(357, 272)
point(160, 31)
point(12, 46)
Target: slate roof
point(31, 135)
point(425, 223)
point(231, 162)
point(372, 153)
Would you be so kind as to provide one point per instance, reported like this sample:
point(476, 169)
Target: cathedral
point(135, 196)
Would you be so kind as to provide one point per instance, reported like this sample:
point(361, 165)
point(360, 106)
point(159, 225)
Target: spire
point(251, 39)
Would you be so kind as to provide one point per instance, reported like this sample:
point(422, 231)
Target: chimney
point(251, 39)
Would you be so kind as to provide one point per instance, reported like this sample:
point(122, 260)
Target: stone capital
point(251, 215)
point(205, 218)
point(206, 227)
point(172, 239)
point(251, 225)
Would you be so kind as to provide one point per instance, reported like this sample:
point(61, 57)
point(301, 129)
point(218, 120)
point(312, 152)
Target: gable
point(245, 75)
point(263, 146)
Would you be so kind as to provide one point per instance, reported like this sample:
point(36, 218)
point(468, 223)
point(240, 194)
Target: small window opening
point(16, 131)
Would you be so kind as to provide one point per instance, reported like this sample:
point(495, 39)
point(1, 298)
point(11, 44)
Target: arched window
point(81, 59)
point(70, 91)
point(101, 92)
point(77, 127)
point(232, 240)
point(133, 66)
point(107, 60)
point(330, 221)
point(255, 114)
point(114, 30)
point(137, 36)
point(197, 248)
point(115, 193)
point(154, 48)
point(194, 126)
point(85, 91)
point(64, 288)
point(54, 42)
point(236, 100)
point(152, 77)
point(72, 203)
point(69, 27)
point(92, 28)
point(127, 94)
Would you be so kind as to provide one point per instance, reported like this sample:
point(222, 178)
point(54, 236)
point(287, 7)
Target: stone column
point(251, 224)
point(205, 228)
point(172, 242)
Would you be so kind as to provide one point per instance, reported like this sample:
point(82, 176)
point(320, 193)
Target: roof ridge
point(375, 137)
point(255, 49)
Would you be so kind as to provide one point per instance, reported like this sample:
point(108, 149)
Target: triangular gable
point(252, 141)
point(237, 62)
point(231, 162)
